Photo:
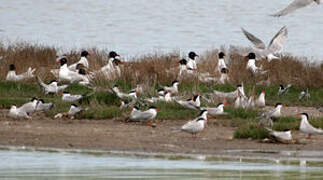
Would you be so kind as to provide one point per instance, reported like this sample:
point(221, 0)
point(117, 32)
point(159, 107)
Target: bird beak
point(225, 103)
point(121, 62)
point(284, 105)
point(90, 54)
point(299, 115)
point(263, 91)
point(246, 57)
point(157, 109)
point(224, 54)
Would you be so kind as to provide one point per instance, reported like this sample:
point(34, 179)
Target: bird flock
point(187, 68)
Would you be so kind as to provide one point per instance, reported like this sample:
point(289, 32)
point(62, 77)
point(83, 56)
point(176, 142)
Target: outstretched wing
point(256, 41)
point(296, 4)
point(278, 41)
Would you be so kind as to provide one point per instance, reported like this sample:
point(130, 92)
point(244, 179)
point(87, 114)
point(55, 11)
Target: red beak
point(299, 115)
point(157, 109)
point(263, 91)
point(225, 103)
point(224, 54)
point(90, 54)
point(121, 62)
point(246, 57)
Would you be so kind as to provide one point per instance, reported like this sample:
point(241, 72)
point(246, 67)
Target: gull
point(52, 87)
point(17, 113)
point(281, 136)
point(221, 62)
point(275, 46)
point(294, 5)
point(283, 90)
point(251, 64)
point(42, 106)
point(306, 127)
point(83, 61)
point(304, 94)
point(12, 76)
point(191, 63)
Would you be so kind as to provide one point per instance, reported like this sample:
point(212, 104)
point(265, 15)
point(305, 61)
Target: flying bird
point(275, 46)
point(293, 6)
point(283, 90)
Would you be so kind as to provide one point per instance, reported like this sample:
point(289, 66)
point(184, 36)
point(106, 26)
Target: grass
point(149, 70)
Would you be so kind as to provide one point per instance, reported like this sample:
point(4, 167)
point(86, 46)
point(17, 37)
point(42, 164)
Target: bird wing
point(278, 41)
point(143, 115)
point(41, 83)
point(296, 4)
point(28, 107)
point(189, 126)
point(256, 41)
point(75, 110)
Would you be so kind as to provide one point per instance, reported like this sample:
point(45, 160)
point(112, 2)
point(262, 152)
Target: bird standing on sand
point(306, 127)
point(275, 46)
point(197, 125)
point(12, 76)
point(296, 4)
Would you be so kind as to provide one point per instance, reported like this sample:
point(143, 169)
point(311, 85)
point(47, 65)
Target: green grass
point(251, 131)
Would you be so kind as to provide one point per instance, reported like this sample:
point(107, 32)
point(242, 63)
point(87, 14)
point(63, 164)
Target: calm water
point(134, 27)
point(18, 165)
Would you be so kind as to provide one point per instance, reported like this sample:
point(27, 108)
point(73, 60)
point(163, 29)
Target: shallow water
point(141, 26)
point(16, 165)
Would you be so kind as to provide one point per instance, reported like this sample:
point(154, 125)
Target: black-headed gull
point(283, 90)
point(293, 6)
point(83, 61)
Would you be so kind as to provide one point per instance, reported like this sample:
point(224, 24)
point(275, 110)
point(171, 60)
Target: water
point(16, 165)
point(143, 26)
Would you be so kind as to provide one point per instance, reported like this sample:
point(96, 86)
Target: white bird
point(174, 88)
point(283, 90)
point(304, 94)
point(85, 78)
point(68, 97)
point(182, 66)
point(17, 113)
point(132, 94)
point(193, 103)
point(74, 109)
point(231, 95)
point(218, 110)
point(271, 114)
point(281, 136)
point(83, 61)
point(197, 125)
point(260, 101)
point(251, 64)
point(166, 98)
point(293, 6)
point(12, 76)
point(221, 62)
point(224, 78)
point(306, 127)
point(29, 107)
point(112, 69)
point(66, 75)
point(275, 46)
point(143, 116)
point(52, 87)
point(42, 106)
point(191, 63)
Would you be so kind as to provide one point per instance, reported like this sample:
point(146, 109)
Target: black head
point(82, 71)
point(32, 99)
point(175, 82)
point(116, 62)
point(41, 100)
point(132, 91)
point(200, 119)
point(221, 55)
point(136, 108)
point(74, 105)
point(278, 104)
point(203, 111)
point(281, 86)
point(116, 85)
point(305, 114)
point(195, 97)
point(113, 54)
point(192, 55)
point(66, 92)
point(161, 89)
point(219, 104)
point(80, 66)
point(224, 70)
point(52, 81)
point(182, 62)
point(152, 107)
point(286, 130)
point(239, 85)
point(63, 61)
point(251, 55)
point(84, 54)
point(12, 67)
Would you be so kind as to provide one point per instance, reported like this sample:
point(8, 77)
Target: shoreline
point(117, 136)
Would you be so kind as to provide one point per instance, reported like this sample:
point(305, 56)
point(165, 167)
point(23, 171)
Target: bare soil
point(115, 134)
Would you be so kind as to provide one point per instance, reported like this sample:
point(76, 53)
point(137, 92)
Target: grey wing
point(296, 4)
point(278, 41)
point(144, 116)
point(41, 83)
point(189, 126)
point(74, 111)
point(256, 41)
point(61, 88)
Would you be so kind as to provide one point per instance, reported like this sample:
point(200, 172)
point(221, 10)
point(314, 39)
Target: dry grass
point(150, 69)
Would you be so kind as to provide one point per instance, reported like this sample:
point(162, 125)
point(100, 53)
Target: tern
point(191, 63)
point(66, 75)
point(283, 90)
point(251, 64)
point(221, 62)
point(29, 107)
point(231, 95)
point(42, 106)
point(304, 94)
point(193, 103)
point(218, 110)
point(17, 113)
point(197, 125)
point(52, 87)
point(271, 114)
point(306, 127)
point(174, 88)
point(143, 116)
point(260, 101)
point(294, 5)
point(281, 136)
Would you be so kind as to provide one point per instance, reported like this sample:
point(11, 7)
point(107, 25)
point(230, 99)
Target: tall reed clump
point(153, 69)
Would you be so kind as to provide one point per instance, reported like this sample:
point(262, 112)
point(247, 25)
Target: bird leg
point(309, 136)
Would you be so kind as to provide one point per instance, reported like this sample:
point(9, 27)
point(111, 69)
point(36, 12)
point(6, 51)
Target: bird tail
point(176, 129)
